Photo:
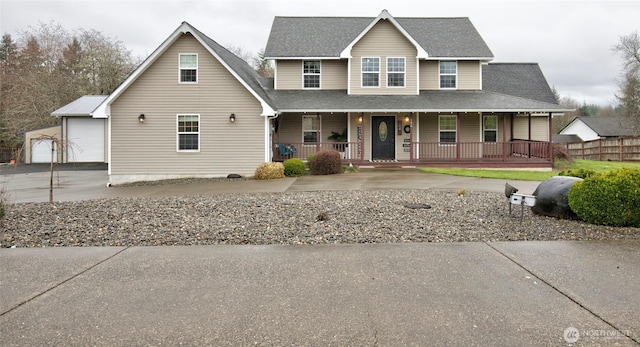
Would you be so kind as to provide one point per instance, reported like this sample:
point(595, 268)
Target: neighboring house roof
point(605, 126)
point(244, 73)
point(82, 106)
point(565, 138)
point(427, 101)
point(525, 80)
point(326, 37)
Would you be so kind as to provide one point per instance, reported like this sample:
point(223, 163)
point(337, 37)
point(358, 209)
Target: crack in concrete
point(566, 295)
point(63, 282)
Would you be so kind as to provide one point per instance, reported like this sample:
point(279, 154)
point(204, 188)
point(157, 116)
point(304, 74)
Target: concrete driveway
point(30, 185)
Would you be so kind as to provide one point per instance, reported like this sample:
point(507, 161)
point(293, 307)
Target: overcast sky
point(571, 40)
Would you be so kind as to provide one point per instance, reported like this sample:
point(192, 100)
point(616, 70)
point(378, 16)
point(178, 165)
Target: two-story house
point(403, 91)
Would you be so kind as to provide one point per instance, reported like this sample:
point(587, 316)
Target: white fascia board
point(385, 15)
point(482, 59)
point(303, 58)
point(521, 111)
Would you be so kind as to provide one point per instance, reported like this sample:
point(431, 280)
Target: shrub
point(267, 171)
point(293, 167)
point(326, 163)
point(611, 198)
point(581, 173)
point(309, 159)
point(560, 152)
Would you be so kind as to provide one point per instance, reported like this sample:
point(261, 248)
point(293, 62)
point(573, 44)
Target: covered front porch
point(461, 139)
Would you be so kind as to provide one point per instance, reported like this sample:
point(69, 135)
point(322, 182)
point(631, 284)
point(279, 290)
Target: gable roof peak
point(385, 15)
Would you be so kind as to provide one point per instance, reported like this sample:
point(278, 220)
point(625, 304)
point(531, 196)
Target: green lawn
point(600, 166)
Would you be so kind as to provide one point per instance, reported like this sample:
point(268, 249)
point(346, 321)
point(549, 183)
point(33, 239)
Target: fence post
point(620, 140)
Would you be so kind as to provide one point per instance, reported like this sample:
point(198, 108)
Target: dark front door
point(383, 138)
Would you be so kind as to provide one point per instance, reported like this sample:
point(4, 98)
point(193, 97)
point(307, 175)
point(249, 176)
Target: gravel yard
point(374, 216)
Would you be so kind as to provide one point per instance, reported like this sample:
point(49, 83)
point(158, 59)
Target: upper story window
point(395, 72)
point(490, 129)
point(310, 128)
point(188, 133)
point(448, 74)
point(311, 73)
point(447, 128)
point(370, 72)
point(188, 68)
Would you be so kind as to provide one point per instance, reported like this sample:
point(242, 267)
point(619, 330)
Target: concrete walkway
point(91, 184)
point(471, 294)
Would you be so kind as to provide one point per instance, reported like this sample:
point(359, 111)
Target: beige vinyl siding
point(469, 75)
point(289, 74)
point(540, 128)
point(383, 41)
point(429, 75)
point(333, 74)
point(150, 148)
point(290, 126)
point(520, 128)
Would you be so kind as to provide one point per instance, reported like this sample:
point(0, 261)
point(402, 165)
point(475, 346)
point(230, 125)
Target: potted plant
point(338, 137)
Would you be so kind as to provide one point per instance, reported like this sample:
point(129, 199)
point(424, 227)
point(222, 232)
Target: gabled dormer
point(376, 56)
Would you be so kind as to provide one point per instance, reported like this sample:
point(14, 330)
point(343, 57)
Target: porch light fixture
point(406, 119)
point(141, 118)
point(232, 118)
point(360, 119)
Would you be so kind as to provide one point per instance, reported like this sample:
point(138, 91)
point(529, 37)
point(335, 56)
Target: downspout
point(411, 138)
point(550, 139)
point(529, 137)
point(268, 139)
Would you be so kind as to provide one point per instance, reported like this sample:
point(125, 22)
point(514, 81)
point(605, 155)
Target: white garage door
point(87, 140)
point(41, 151)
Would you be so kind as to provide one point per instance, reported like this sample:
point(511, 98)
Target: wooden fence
point(613, 149)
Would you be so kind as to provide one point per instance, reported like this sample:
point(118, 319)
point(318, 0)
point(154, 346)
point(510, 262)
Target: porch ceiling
point(426, 101)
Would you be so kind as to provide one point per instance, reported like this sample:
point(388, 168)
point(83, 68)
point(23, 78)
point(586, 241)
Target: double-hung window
point(311, 73)
point(310, 129)
point(448, 74)
point(395, 72)
point(188, 66)
point(448, 126)
point(490, 128)
point(370, 72)
point(188, 133)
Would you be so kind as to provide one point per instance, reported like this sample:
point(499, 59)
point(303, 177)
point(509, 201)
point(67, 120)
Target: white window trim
point(448, 131)
point(318, 118)
point(362, 72)
point(447, 74)
point(484, 129)
point(319, 74)
point(180, 69)
point(404, 72)
point(178, 133)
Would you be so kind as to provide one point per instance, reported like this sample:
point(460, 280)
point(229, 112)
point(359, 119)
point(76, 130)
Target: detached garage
point(86, 136)
point(37, 149)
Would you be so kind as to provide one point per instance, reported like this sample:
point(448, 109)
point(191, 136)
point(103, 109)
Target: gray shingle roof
point(518, 79)
point(428, 100)
point(608, 126)
point(565, 138)
point(82, 106)
point(329, 36)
